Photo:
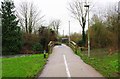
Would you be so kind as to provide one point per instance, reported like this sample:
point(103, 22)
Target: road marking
point(66, 66)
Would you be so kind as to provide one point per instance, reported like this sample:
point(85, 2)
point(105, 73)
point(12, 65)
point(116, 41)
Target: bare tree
point(29, 16)
point(55, 24)
point(79, 13)
point(24, 18)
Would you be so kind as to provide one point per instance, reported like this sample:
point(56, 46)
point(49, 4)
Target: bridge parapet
point(50, 46)
point(74, 46)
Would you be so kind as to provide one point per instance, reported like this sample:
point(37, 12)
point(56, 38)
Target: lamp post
point(69, 33)
point(88, 32)
point(118, 22)
point(63, 33)
point(119, 10)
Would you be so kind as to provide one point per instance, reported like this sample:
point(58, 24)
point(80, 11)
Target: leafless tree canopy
point(55, 24)
point(78, 11)
point(29, 16)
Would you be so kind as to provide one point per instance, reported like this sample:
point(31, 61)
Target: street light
point(119, 11)
point(88, 32)
point(119, 7)
point(69, 33)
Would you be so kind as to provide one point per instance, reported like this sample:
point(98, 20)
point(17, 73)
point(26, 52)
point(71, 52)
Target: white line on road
point(66, 67)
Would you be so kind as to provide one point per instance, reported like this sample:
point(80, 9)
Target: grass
point(106, 64)
point(0, 68)
point(28, 66)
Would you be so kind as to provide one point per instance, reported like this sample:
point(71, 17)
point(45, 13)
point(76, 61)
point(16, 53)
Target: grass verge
point(26, 67)
point(107, 65)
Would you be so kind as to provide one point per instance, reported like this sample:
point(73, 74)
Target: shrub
point(37, 47)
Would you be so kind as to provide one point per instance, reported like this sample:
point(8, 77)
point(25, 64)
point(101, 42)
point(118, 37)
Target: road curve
point(64, 63)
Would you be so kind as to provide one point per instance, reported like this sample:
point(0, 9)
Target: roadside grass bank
point(107, 65)
point(25, 66)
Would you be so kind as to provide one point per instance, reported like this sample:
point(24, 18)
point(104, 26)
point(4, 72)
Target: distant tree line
point(104, 33)
point(11, 32)
point(22, 31)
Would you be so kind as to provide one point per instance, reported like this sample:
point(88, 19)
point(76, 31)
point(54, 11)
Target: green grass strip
point(107, 65)
point(27, 66)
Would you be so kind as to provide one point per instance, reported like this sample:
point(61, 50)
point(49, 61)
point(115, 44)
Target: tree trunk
point(26, 24)
point(83, 35)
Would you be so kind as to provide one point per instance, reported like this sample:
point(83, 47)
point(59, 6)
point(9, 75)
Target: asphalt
point(64, 63)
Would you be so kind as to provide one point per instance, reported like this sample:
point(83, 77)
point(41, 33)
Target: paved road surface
point(64, 63)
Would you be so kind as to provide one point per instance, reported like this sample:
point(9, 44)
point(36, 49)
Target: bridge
point(63, 62)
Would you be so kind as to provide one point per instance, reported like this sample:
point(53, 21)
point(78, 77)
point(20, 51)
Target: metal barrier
point(50, 46)
point(74, 46)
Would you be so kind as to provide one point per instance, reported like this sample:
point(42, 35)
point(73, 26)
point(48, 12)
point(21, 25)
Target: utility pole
point(88, 35)
point(88, 32)
point(63, 33)
point(119, 10)
point(118, 22)
point(69, 33)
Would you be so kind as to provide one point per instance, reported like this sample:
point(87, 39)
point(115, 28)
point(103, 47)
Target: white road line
point(66, 67)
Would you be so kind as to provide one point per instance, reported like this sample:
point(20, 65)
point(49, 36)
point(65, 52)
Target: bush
point(37, 47)
point(30, 39)
point(80, 43)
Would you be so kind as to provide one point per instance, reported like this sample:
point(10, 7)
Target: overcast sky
point(57, 9)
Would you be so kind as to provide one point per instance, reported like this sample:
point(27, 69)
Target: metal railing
point(74, 46)
point(50, 46)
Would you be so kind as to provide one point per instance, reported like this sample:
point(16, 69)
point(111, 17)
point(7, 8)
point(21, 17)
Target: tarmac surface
point(64, 63)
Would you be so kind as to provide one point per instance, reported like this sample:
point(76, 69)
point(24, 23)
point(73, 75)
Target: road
point(64, 63)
